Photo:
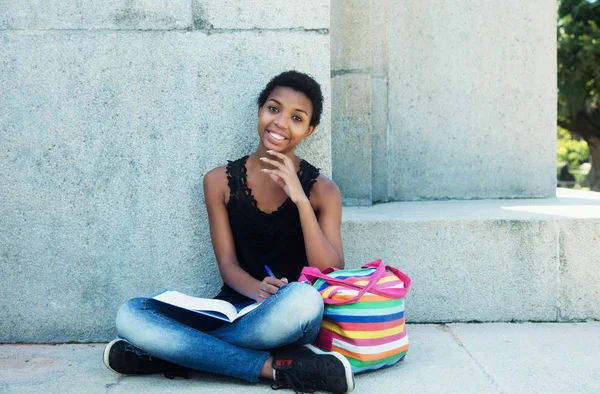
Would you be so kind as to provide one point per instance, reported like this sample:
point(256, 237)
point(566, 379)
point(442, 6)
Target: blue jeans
point(291, 317)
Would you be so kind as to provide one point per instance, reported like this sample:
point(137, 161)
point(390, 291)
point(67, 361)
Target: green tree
point(579, 76)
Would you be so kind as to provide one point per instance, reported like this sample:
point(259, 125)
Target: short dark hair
point(302, 83)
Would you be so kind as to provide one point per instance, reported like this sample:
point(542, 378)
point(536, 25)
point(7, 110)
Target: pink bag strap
point(311, 274)
point(379, 271)
point(401, 275)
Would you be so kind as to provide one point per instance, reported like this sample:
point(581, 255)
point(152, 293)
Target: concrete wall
point(457, 99)
point(109, 117)
point(352, 95)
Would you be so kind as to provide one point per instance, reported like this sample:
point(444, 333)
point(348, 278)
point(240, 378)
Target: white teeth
point(276, 136)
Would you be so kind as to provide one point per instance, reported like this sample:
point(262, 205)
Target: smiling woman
point(271, 214)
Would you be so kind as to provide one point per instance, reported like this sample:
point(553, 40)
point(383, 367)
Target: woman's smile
point(276, 136)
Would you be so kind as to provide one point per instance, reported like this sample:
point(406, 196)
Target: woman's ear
point(310, 130)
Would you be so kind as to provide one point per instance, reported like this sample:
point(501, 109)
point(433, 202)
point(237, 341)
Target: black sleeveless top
point(274, 239)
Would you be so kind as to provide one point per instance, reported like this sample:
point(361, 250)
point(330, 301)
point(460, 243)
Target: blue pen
point(269, 272)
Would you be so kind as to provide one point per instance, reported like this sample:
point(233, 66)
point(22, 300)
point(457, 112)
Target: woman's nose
point(281, 122)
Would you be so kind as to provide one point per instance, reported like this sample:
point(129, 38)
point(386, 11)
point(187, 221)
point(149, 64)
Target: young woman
point(268, 209)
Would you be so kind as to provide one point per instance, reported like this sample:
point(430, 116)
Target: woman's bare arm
point(322, 236)
point(215, 192)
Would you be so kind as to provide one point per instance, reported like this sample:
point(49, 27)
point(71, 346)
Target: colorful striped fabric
point(368, 330)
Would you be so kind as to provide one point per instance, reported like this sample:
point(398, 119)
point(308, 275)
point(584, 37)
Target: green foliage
point(578, 56)
point(573, 153)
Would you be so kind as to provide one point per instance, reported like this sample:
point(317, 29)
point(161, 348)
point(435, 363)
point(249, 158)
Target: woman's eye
point(273, 109)
point(297, 118)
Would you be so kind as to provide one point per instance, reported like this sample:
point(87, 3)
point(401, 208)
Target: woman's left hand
point(284, 174)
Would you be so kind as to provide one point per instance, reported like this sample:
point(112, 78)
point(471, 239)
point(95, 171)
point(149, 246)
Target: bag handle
point(379, 271)
point(311, 274)
point(401, 275)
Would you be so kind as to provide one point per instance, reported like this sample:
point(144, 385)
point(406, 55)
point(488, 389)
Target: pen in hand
point(269, 272)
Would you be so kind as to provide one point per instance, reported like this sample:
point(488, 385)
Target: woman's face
point(284, 119)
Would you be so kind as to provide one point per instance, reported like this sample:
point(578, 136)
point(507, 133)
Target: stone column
point(443, 100)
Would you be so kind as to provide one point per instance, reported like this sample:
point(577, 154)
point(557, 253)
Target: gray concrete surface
point(580, 267)
point(160, 15)
point(379, 132)
point(89, 14)
point(352, 108)
point(486, 260)
point(267, 14)
point(472, 99)
point(350, 35)
point(351, 138)
point(454, 358)
point(106, 133)
point(470, 104)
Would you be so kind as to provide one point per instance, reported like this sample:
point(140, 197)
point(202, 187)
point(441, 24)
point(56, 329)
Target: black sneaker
point(122, 357)
point(307, 369)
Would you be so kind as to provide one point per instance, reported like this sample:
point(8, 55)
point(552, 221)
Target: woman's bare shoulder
point(215, 182)
point(217, 175)
point(325, 191)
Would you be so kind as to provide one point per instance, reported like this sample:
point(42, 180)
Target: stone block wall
point(449, 99)
point(110, 114)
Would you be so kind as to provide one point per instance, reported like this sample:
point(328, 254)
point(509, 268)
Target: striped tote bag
point(364, 313)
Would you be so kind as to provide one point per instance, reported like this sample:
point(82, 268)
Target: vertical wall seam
point(371, 109)
point(559, 264)
point(387, 133)
point(191, 26)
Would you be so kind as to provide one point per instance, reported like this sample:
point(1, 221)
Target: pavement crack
point(457, 340)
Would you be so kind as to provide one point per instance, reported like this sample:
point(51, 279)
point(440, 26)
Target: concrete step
point(484, 260)
point(487, 260)
point(453, 358)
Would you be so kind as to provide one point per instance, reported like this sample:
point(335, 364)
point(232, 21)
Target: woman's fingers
point(277, 175)
point(286, 160)
point(277, 179)
point(272, 162)
point(270, 286)
point(275, 282)
point(268, 289)
point(264, 294)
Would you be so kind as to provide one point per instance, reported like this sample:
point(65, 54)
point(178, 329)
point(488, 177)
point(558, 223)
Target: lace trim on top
point(234, 170)
point(238, 188)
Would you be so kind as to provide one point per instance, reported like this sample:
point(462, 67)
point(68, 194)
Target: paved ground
point(454, 358)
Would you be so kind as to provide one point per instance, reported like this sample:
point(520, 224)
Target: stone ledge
point(567, 205)
point(487, 260)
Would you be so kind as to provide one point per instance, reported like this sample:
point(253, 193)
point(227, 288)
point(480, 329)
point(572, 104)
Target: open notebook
point(218, 309)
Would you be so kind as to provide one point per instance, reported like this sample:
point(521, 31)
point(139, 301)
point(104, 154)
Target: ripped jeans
point(291, 317)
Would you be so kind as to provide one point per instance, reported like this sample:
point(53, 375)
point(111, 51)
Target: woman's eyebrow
point(301, 110)
point(297, 109)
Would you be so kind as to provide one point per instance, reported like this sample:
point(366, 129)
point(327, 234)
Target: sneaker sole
point(107, 352)
point(339, 356)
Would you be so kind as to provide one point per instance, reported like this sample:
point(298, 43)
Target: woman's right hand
point(268, 287)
